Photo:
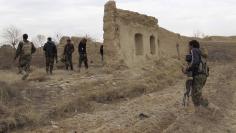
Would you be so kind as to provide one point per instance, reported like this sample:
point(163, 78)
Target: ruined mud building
point(133, 39)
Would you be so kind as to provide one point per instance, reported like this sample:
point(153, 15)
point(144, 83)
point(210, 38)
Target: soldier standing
point(24, 51)
point(50, 50)
point(102, 52)
point(68, 51)
point(83, 53)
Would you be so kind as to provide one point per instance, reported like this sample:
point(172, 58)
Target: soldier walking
point(199, 74)
point(24, 51)
point(50, 50)
point(68, 51)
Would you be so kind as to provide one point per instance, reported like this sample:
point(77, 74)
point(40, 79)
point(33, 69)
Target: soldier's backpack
point(27, 48)
point(203, 66)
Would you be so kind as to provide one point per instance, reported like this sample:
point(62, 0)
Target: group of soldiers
point(196, 68)
point(26, 49)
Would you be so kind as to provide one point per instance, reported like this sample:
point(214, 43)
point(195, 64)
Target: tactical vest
point(27, 48)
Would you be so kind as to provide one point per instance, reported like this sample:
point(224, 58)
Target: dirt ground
point(122, 100)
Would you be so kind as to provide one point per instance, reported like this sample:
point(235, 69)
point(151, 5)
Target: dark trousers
point(69, 62)
point(83, 58)
point(49, 64)
point(102, 57)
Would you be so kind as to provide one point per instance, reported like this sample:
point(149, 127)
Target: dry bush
point(14, 109)
point(128, 90)
point(69, 107)
point(9, 93)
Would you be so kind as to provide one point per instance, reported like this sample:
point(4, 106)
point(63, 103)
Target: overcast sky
point(81, 17)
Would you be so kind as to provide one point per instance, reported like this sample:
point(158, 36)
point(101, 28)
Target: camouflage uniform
point(24, 59)
point(199, 78)
point(198, 83)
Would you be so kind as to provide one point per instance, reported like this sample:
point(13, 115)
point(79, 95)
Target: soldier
point(50, 50)
point(68, 51)
point(199, 77)
point(24, 51)
point(102, 52)
point(83, 53)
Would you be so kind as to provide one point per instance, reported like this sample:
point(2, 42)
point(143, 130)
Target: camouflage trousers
point(68, 62)
point(24, 65)
point(49, 64)
point(199, 82)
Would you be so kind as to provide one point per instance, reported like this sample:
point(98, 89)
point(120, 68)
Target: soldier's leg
point(198, 83)
point(188, 89)
point(71, 63)
point(196, 91)
point(20, 69)
point(86, 61)
point(27, 61)
point(67, 62)
point(47, 64)
point(51, 64)
point(80, 60)
point(204, 101)
point(21, 66)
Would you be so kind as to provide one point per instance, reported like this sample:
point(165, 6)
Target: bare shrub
point(39, 40)
point(11, 36)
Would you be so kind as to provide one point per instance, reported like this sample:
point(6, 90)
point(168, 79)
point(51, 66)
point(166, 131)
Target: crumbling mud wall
point(172, 44)
point(93, 51)
point(129, 37)
point(134, 39)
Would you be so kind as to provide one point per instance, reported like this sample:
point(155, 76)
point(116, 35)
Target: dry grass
point(38, 75)
point(20, 99)
point(15, 111)
point(6, 57)
point(69, 107)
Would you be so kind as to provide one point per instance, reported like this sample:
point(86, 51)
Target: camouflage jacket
point(19, 51)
